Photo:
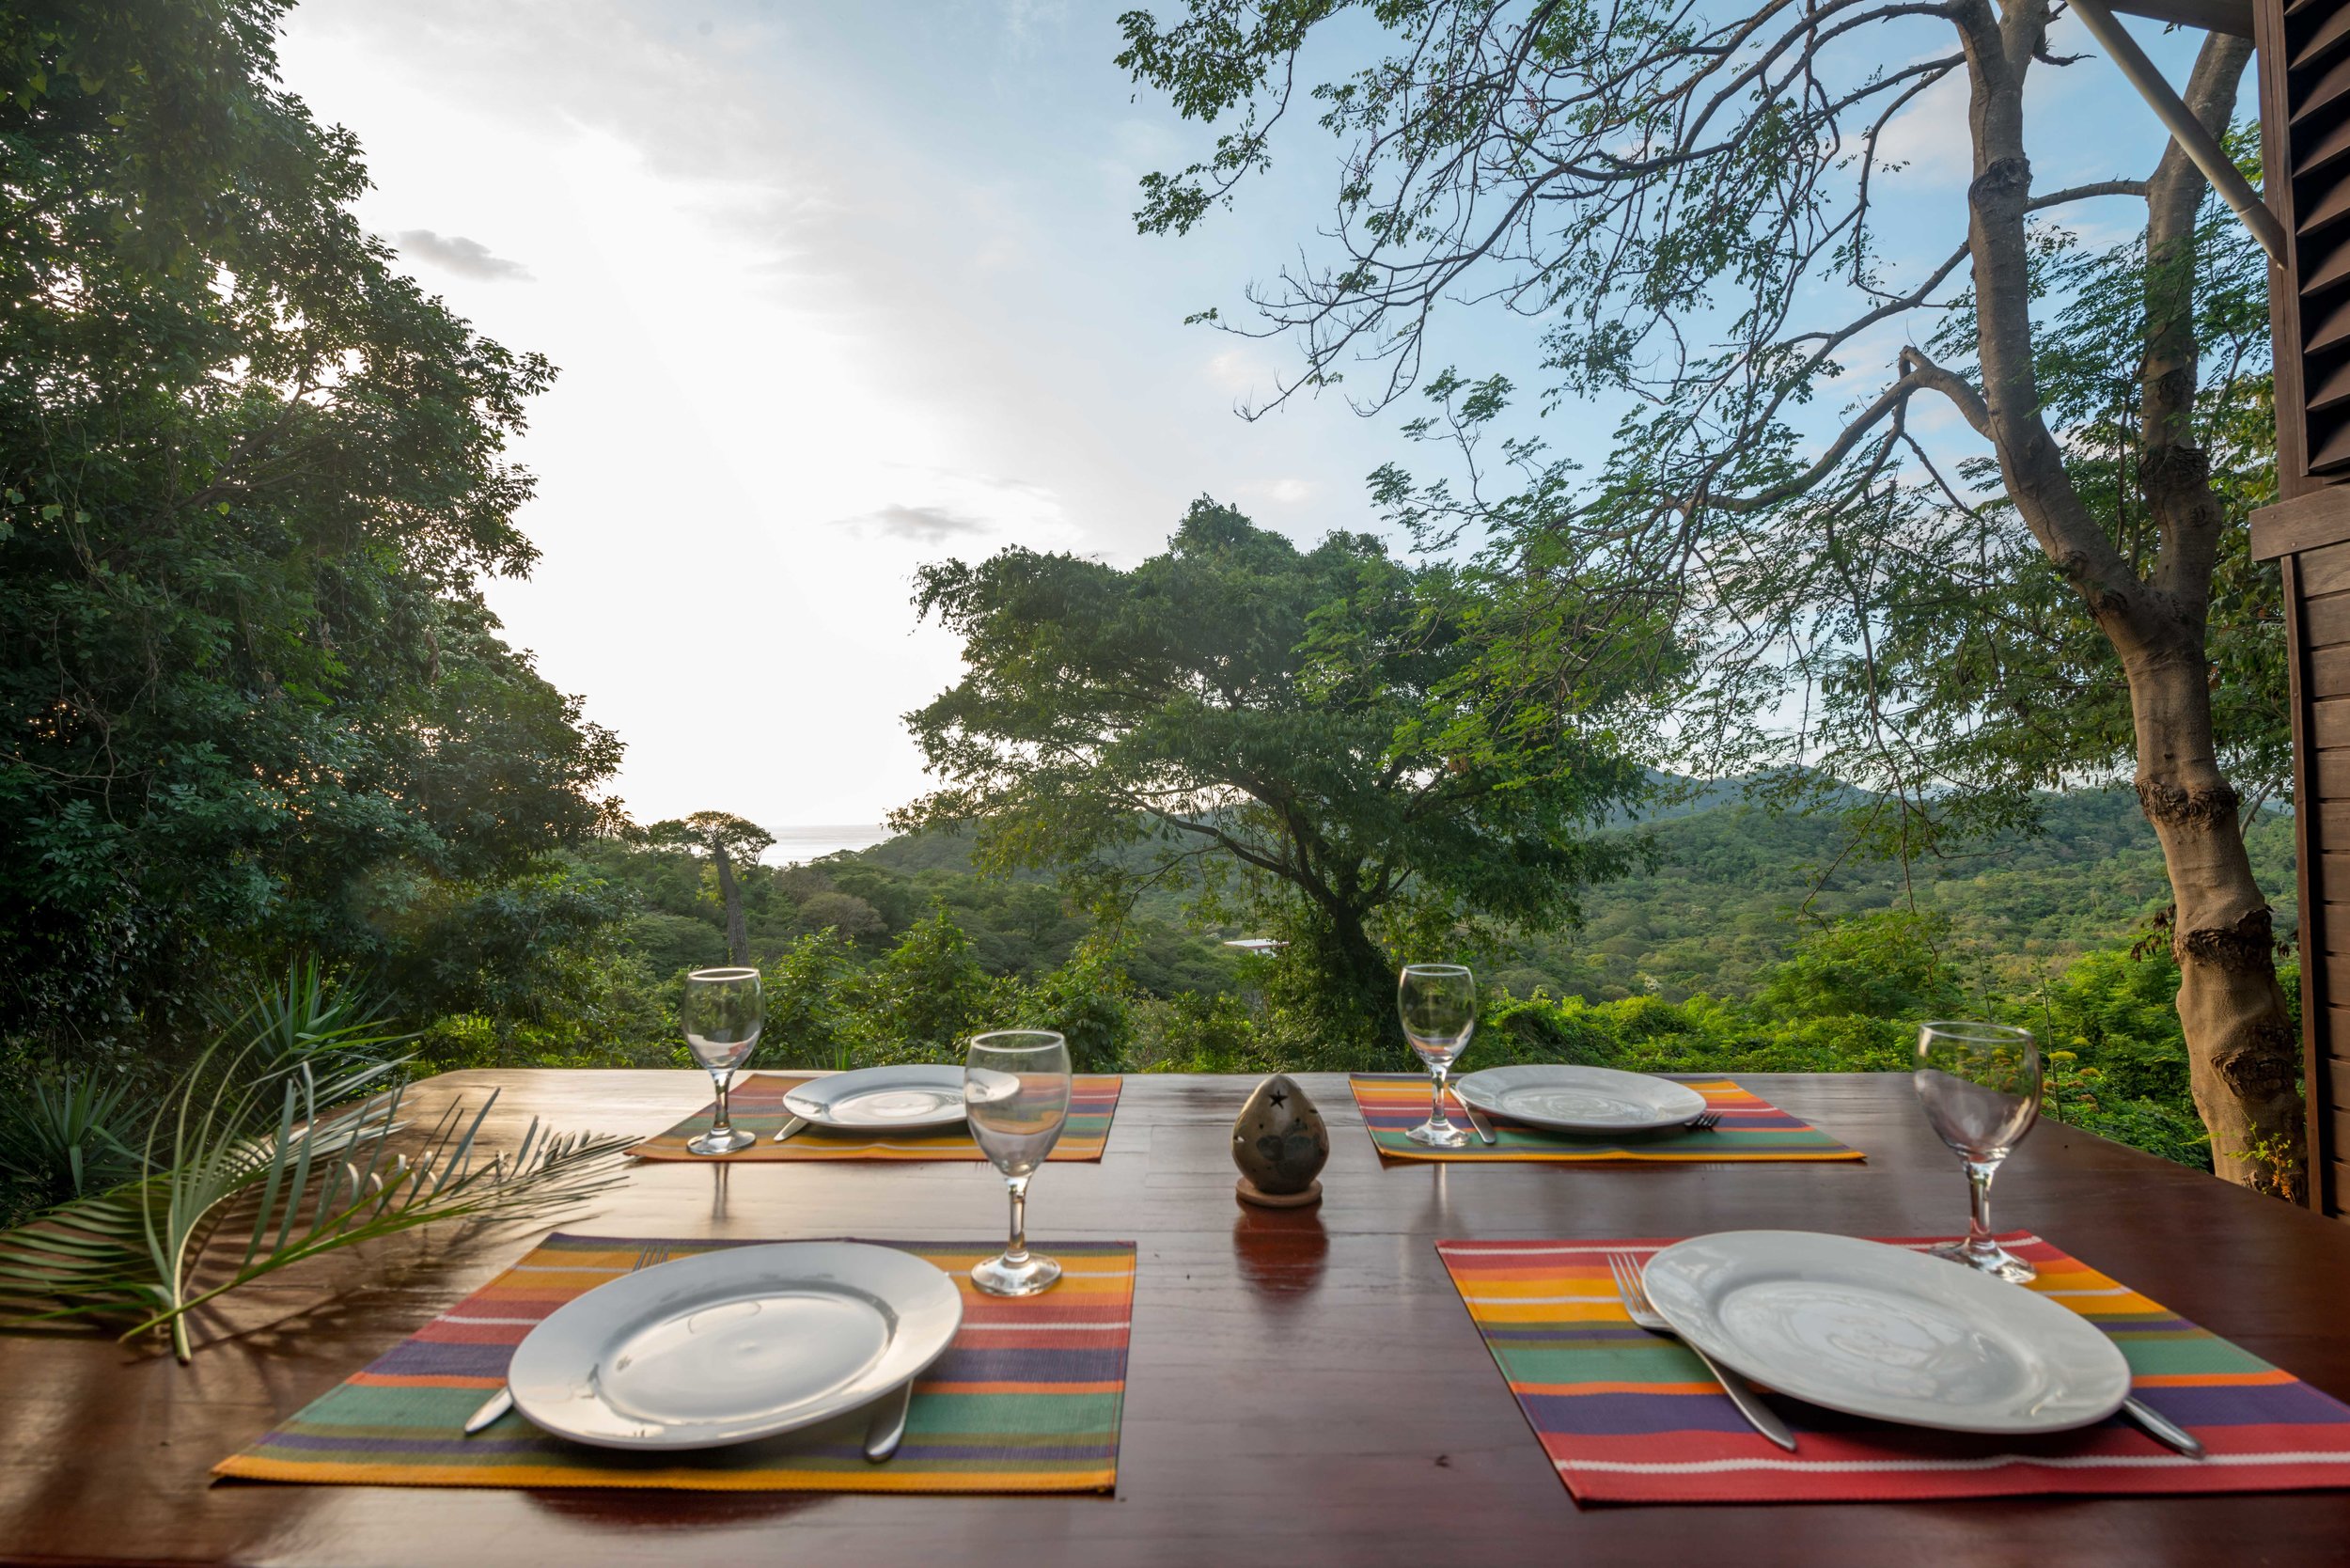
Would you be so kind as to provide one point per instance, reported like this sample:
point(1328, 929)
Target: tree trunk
point(730, 893)
point(2245, 1058)
point(2243, 1054)
point(1373, 971)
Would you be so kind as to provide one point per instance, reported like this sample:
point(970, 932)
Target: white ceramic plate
point(1580, 1099)
point(1887, 1332)
point(730, 1345)
point(880, 1097)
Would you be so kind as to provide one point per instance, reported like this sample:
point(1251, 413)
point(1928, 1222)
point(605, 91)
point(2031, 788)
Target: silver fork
point(1626, 1268)
point(1704, 1122)
point(500, 1402)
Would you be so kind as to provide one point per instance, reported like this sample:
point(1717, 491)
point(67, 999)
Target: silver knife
point(491, 1409)
point(887, 1428)
point(500, 1402)
point(796, 1125)
point(1476, 1122)
point(2162, 1427)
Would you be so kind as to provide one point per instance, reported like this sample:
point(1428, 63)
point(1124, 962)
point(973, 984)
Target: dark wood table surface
point(1305, 1386)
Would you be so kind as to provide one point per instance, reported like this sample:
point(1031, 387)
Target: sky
point(839, 289)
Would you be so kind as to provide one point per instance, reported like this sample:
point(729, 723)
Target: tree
point(851, 917)
point(1298, 715)
point(725, 838)
point(1689, 204)
point(250, 481)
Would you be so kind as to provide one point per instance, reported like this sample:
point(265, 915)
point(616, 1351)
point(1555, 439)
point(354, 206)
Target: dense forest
point(1749, 939)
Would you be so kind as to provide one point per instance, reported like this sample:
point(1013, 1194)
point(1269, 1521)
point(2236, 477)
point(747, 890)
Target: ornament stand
point(1249, 1193)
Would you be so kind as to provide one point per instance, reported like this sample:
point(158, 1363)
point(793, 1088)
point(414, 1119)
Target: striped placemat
point(1027, 1398)
point(756, 1103)
point(1627, 1415)
point(1751, 1129)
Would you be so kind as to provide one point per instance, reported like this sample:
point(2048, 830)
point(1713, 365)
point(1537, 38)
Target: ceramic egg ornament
point(1280, 1145)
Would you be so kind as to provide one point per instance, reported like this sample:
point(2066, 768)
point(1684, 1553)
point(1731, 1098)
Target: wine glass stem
point(724, 1123)
point(1979, 1174)
point(1016, 1250)
point(1436, 1104)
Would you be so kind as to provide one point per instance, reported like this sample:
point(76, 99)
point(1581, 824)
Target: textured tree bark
point(2245, 1057)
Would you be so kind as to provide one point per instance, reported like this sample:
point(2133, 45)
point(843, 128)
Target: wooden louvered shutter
point(2305, 155)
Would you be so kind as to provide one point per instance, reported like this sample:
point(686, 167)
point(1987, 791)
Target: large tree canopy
point(1308, 717)
point(726, 838)
point(252, 698)
point(1688, 199)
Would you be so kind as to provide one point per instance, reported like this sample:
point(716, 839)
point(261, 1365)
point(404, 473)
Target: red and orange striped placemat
point(1627, 1415)
point(1026, 1399)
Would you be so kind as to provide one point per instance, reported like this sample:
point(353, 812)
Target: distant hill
point(1735, 885)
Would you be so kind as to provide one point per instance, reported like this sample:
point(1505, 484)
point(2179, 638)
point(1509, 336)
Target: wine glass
point(1980, 1084)
point(722, 1013)
point(1439, 1003)
point(1015, 1092)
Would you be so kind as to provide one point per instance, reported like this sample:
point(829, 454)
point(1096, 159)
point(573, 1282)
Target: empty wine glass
point(722, 1013)
point(1980, 1084)
point(1438, 1004)
point(1015, 1092)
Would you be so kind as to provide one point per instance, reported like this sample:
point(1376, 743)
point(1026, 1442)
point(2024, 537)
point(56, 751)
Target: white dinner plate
point(726, 1346)
point(880, 1097)
point(1580, 1099)
point(1887, 1332)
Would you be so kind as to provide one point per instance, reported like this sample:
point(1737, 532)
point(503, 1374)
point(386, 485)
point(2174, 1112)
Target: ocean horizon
point(797, 845)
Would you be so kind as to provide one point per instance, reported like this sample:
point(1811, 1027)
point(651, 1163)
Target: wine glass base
point(1445, 1136)
point(1001, 1275)
point(716, 1142)
point(1991, 1258)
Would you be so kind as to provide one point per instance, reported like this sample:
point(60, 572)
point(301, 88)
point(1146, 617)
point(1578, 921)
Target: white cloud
point(1931, 135)
point(1287, 491)
point(832, 293)
point(921, 525)
point(1245, 371)
point(457, 254)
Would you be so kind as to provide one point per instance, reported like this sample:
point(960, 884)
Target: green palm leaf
point(290, 1136)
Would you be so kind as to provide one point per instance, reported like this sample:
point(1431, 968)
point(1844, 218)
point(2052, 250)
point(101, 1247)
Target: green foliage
point(1201, 1032)
point(69, 1133)
point(810, 1022)
point(274, 1147)
point(250, 481)
point(920, 1001)
point(1884, 965)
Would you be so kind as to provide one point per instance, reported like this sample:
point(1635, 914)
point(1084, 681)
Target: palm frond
point(66, 1132)
point(306, 1018)
point(291, 1136)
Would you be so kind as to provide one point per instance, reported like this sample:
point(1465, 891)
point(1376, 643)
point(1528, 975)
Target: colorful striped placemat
point(1027, 1398)
point(1627, 1415)
point(1751, 1129)
point(756, 1103)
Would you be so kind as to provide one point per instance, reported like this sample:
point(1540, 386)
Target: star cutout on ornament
point(1279, 1098)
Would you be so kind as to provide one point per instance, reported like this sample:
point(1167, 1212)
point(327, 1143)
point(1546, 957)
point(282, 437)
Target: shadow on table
point(615, 1507)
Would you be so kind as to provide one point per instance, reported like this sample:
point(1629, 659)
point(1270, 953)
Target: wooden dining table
point(1305, 1385)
